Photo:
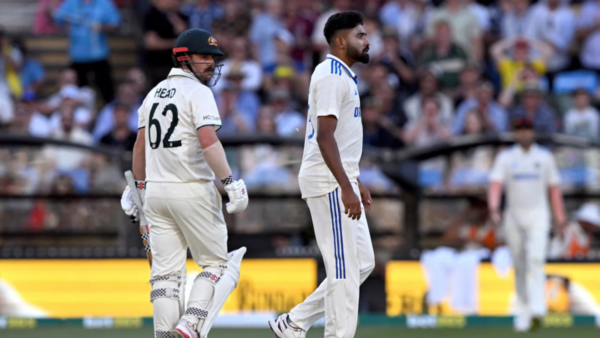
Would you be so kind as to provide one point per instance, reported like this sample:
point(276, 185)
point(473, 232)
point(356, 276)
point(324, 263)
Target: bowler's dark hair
point(339, 21)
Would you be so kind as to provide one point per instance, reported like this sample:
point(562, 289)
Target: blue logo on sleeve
point(357, 112)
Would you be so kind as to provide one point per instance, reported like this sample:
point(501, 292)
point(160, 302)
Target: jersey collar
point(180, 72)
point(350, 72)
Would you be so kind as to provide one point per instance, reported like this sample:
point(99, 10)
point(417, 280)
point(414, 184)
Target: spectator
point(43, 22)
point(238, 57)
point(535, 109)
point(127, 95)
point(265, 29)
point(428, 87)
point(31, 72)
point(67, 84)
point(582, 120)
point(235, 22)
point(299, 23)
point(20, 123)
point(202, 13)
point(287, 120)
point(553, 23)
point(407, 17)
point(511, 66)
point(89, 22)
point(373, 133)
point(46, 121)
point(318, 39)
point(446, 56)
point(482, 13)
point(398, 62)
point(492, 116)
point(265, 122)
point(393, 117)
point(589, 33)
point(467, 89)
point(516, 19)
point(429, 128)
point(136, 78)
point(373, 29)
point(67, 158)
point(121, 136)
point(232, 121)
point(163, 23)
point(9, 63)
point(463, 25)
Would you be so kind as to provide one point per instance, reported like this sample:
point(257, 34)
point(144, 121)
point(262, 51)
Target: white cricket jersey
point(526, 177)
point(333, 91)
point(172, 113)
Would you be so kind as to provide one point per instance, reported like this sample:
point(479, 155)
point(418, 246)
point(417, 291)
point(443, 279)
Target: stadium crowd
point(437, 71)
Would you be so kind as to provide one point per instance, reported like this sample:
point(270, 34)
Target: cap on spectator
point(280, 94)
point(235, 72)
point(521, 43)
point(69, 92)
point(532, 87)
point(521, 123)
point(590, 213)
point(283, 72)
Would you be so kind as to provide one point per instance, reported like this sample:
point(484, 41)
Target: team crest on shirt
point(212, 41)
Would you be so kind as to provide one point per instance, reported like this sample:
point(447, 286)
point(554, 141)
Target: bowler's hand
point(351, 203)
point(365, 196)
point(561, 225)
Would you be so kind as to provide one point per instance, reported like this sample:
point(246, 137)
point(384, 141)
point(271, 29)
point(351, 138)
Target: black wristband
point(227, 180)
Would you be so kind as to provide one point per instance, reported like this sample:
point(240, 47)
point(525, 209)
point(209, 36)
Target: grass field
point(56, 332)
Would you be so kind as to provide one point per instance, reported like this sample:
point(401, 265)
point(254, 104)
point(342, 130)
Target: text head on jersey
point(195, 52)
point(347, 37)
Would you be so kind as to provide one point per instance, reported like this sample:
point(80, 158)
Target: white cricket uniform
point(182, 204)
point(345, 244)
point(526, 177)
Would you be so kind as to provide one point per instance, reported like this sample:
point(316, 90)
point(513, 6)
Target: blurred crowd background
point(77, 71)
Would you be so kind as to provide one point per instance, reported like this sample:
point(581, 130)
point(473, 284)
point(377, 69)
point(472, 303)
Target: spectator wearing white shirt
point(482, 13)
point(265, 28)
point(582, 120)
point(238, 58)
point(554, 23)
point(428, 87)
point(589, 32)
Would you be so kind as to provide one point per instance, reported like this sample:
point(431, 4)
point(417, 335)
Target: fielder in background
point(528, 173)
point(329, 183)
point(178, 154)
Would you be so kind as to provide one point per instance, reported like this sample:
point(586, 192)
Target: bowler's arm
point(329, 149)
point(139, 156)
point(556, 201)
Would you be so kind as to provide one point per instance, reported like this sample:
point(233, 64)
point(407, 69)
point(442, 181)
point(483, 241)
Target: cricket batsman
point(529, 175)
point(329, 183)
point(176, 157)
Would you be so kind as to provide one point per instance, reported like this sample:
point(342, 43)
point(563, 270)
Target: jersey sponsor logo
point(211, 118)
point(163, 93)
point(357, 112)
point(312, 134)
point(526, 176)
point(212, 41)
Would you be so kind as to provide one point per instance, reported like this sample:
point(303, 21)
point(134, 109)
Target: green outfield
point(58, 332)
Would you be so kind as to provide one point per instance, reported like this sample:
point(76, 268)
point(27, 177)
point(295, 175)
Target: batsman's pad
point(168, 300)
point(203, 291)
point(223, 288)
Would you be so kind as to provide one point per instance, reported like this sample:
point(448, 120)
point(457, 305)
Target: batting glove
point(238, 196)
point(128, 206)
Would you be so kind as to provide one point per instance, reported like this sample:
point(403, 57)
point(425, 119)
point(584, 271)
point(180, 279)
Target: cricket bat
point(144, 228)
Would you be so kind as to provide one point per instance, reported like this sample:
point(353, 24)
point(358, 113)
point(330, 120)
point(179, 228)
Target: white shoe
point(283, 329)
point(183, 330)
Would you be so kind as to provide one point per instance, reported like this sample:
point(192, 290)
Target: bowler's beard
point(355, 54)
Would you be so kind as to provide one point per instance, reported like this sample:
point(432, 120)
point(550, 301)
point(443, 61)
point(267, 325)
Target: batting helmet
point(198, 41)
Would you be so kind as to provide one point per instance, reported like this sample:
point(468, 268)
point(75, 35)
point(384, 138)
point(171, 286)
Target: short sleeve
point(553, 177)
point(141, 119)
point(330, 92)
point(204, 109)
point(498, 173)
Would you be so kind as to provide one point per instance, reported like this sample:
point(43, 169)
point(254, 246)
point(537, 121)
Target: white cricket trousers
point(347, 251)
point(527, 244)
point(182, 216)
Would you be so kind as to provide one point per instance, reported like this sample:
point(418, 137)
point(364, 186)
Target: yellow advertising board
point(120, 288)
point(406, 287)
